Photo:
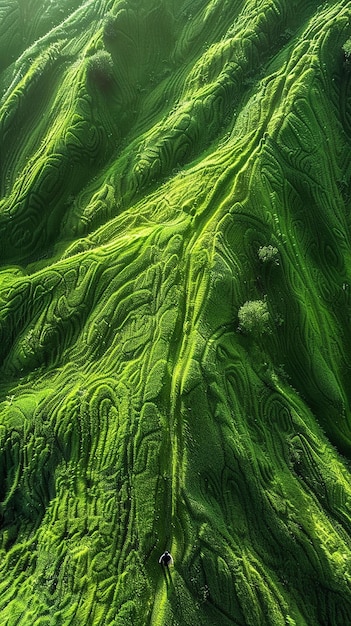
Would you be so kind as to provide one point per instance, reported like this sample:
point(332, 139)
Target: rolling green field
point(175, 312)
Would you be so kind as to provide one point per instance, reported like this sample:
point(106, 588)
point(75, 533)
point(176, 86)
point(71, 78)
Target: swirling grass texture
point(175, 312)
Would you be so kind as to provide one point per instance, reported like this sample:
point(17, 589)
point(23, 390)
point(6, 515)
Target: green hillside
point(175, 312)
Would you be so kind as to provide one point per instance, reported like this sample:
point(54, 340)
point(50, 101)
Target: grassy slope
point(148, 150)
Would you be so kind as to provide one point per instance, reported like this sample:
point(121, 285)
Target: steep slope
point(175, 312)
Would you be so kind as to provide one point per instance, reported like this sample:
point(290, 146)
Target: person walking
point(166, 559)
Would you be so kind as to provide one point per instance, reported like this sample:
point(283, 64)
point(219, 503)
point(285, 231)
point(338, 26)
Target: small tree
point(254, 317)
point(100, 70)
point(268, 253)
point(347, 51)
point(110, 27)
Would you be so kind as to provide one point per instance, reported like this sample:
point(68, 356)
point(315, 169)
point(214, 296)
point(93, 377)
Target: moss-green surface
point(175, 312)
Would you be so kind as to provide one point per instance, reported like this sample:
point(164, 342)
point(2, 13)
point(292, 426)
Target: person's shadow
point(167, 576)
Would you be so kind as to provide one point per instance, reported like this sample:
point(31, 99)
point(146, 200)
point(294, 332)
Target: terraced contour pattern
point(175, 312)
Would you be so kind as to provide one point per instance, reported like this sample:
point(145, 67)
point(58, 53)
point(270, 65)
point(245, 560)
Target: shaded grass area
point(175, 312)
